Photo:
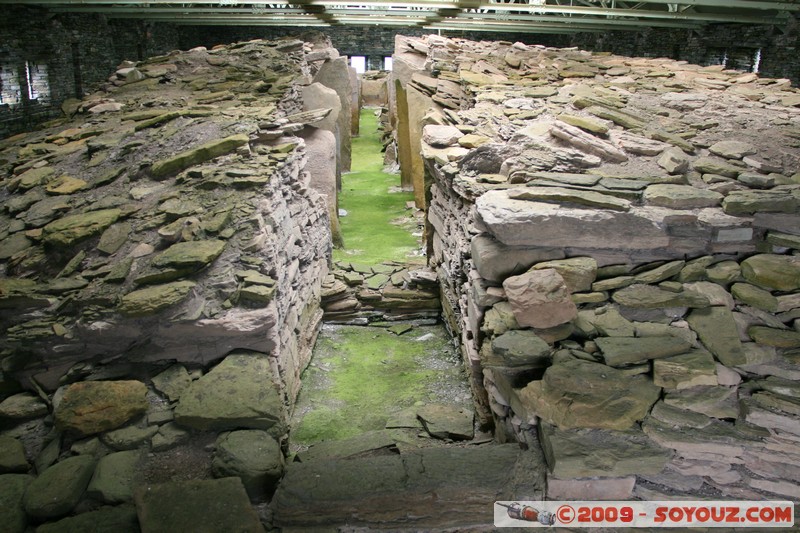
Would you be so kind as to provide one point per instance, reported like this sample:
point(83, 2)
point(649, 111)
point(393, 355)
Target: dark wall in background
point(779, 48)
point(73, 54)
point(67, 55)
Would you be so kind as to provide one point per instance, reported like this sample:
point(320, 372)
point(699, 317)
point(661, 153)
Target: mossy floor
point(361, 377)
point(377, 227)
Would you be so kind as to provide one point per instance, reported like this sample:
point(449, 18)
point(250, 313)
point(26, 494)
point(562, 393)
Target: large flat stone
point(621, 351)
point(149, 301)
point(570, 196)
point(395, 491)
point(778, 338)
point(495, 261)
point(651, 297)
point(527, 223)
point(748, 202)
point(709, 165)
point(730, 149)
point(195, 156)
point(718, 438)
point(447, 421)
point(717, 402)
point(576, 453)
point(197, 505)
point(570, 391)
point(590, 489)
point(770, 271)
point(192, 255)
point(681, 196)
point(237, 393)
point(71, 229)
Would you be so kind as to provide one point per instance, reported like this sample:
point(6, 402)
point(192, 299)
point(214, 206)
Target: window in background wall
point(9, 86)
point(738, 58)
point(387, 63)
point(38, 83)
point(359, 63)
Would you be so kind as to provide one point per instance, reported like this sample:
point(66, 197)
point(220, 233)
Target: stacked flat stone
point(618, 244)
point(162, 251)
point(359, 294)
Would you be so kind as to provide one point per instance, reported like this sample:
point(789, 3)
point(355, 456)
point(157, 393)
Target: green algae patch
point(361, 377)
point(378, 227)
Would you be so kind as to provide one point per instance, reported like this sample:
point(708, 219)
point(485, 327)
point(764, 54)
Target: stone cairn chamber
point(615, 242)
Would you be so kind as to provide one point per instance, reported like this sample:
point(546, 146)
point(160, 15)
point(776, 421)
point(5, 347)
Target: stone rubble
point(361, 294)
point(617, 243)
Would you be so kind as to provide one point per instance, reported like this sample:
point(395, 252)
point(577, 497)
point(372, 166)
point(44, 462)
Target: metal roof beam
point(331, 5)
point(773, 5)
point(761, 5)
point(582, 20)
point(635, 13)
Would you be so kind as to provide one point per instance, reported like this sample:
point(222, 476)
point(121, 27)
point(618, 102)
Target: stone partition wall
point(171, 218)
point(617, 245)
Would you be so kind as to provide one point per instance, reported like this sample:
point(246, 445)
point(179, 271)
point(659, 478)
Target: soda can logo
point(655, 514)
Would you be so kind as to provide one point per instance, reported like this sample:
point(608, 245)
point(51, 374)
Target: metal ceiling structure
point(518, 16)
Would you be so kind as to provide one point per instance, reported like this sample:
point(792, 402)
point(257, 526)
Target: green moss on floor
point(378, 227)
point(361, 376)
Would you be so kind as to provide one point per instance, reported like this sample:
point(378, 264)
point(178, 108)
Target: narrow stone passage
point(377, 226)
point(383, 433)
point(375, 379)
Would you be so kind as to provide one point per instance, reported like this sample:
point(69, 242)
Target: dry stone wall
point(162, 257)
point(171, 217)
point(617, 244)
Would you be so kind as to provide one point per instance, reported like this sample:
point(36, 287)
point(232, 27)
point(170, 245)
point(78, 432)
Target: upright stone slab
point(335, 74)
point(321, 146)
point(317, 96)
